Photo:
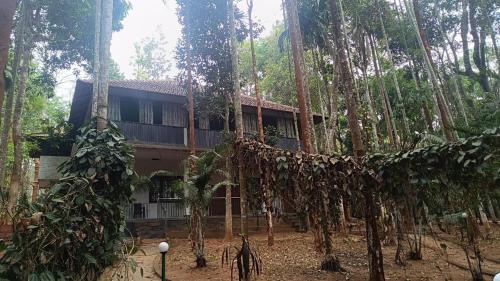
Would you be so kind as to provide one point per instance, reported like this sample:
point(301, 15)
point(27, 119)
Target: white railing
point(163, 210)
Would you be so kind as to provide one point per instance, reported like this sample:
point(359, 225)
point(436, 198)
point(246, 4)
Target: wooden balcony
point(178, 136)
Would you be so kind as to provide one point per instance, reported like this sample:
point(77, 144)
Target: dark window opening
point(269, 121)
point(216, 124)
point(157, 113)
point(162, 188)
point(129, 109)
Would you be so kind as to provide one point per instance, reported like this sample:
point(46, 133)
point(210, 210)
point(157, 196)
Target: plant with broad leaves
point(75, 230)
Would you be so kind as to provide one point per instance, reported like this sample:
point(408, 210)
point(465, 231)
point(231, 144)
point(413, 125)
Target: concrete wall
point(48, 169)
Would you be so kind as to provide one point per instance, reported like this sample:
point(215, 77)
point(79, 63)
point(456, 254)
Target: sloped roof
point(172, 87)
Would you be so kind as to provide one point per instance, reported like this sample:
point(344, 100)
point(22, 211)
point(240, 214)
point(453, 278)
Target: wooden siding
point(156, 134)
point(207, 138)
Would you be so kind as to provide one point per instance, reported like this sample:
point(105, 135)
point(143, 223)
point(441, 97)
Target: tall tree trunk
point(17, 135)
point(495, 48)
point(229, 204)
point(36, 180)
point(374, 247)
point(464, 32)
point(400, 103)
point(239, 119)
point(300, 75)
point(97, 60)
point(491, 209)
point(316, 63)
point(333, 99)
point(445, 117)
point(478, 37)
point(192, 140)
point(347, 81)
point(386, 105)
point(104, 55)
point(349, 55)
point(260, 127)
point(7, 10)
point(20, 45)
point(368, 96)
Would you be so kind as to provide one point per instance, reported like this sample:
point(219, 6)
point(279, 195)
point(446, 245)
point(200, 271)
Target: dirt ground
point(293, 258)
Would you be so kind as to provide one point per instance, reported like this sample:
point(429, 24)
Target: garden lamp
point(497, 277)
point(163, 247)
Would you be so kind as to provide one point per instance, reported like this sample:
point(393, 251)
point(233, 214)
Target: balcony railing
point(178, 136)
point(173, 209)
point(156, 134)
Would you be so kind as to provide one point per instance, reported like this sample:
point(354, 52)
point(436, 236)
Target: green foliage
point(462, 169)
point(197, 188)
point(210, 49)
point(150, 59)
point(67, 28)
point(74, 230)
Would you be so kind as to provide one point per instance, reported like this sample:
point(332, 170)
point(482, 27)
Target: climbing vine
point(314, 183)
point(74, 230)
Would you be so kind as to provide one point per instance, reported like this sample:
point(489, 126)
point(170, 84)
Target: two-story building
point(153, 117)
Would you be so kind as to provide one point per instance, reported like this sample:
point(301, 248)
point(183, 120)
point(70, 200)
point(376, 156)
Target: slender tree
point(445, 117)
point(300, 76)
point(238, 118)
point(103, 51)
point(19, 46)
point(24, 42)
point(386, 105)
point(17, 135)
point(464, 31)
point(260, 127)
point(192, 140)
point(400, 102)
point(376, 263)
point(97, 60)
point(7, 10)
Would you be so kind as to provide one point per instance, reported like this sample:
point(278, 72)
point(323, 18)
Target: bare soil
point(293, 258)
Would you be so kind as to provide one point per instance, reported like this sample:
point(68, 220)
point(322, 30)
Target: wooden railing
point(178, 136)
point(156, 134)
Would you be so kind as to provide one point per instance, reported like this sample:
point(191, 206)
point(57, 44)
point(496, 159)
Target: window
point(157, 113)
point(162, 188)
point(129, 109)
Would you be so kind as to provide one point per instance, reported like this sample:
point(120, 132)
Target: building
point(153, 117)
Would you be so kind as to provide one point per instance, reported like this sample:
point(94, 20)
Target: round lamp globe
point(163, 247)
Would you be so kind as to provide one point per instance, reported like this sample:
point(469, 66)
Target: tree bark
point(495, 48)
point(478, 37)
point(17, 135)
point(374, 247)
point(464, 32)
point(104, 55)
point(260, 127)
point(347, 80)
point(36, 180)
point(386, 105)
point(7, 10)
point(491, 210)
point(300, 76)
point(20, 45)
point(316, 63)
point(239, 119)
point(400, 103)
point(192, 140)
point(97, 61)
point(229, 203)
point(445, 117)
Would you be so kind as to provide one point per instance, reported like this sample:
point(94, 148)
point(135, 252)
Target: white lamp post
point(163, 247)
